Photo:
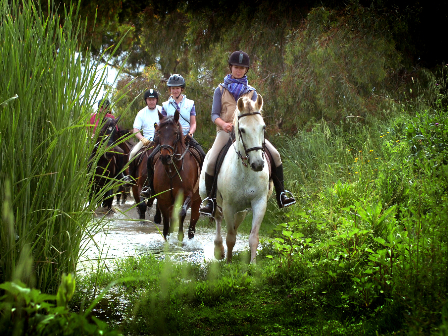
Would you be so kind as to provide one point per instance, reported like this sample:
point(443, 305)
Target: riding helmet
point(239, 58)
point(105, 103)
point(151, 93)
point(176, 80)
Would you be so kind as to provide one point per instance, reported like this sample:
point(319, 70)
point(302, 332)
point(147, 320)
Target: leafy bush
point(26, 311)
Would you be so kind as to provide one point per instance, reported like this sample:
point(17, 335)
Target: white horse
point(243, 180)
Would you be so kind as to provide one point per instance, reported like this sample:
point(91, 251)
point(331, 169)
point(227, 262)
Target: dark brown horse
point(106, 169)
point(139, 171)
point(124, 138)
point(175, 172)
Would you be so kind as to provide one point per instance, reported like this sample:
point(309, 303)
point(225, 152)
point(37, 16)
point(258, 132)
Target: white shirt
point(145, 120)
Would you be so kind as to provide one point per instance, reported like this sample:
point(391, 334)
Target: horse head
point(169, 136)
point(108, 130)
point(249, 132)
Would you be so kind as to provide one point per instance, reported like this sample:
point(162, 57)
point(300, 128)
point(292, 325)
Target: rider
point(145, 120)
point(187, 118)
point(104, 111)
point(224, 105)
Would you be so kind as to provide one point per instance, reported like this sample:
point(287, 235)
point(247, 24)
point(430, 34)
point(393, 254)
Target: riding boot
point(148, 191)
point(209, 208)
point(284, 197)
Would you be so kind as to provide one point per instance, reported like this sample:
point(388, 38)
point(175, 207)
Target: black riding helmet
point(151, 93)
point(176, 80)
point(104, 103)
point(239, 58)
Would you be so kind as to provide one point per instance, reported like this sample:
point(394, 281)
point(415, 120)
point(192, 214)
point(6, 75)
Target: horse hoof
point(219, 253)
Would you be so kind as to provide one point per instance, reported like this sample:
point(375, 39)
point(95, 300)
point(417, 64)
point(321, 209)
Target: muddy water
point(123, 235)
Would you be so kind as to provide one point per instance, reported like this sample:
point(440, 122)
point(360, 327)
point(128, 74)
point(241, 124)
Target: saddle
point(133, 166)
point(193, 151)
point(225, 149)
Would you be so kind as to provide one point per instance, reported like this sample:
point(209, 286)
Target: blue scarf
point(237, 86)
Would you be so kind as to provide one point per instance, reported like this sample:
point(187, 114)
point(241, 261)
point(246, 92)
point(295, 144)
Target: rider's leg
point(284, 197)
point(121, 162)
point(193, 143)
point(220, 141)
point(150, 168)
point(132, 165)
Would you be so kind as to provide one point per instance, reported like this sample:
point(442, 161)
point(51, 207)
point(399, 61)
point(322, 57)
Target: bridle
point(245, 159)
point(172, 149)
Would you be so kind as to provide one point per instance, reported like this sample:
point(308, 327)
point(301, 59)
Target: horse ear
point(117, 120)
point(240, 104)
point(176, 116)
point(259, 103)
point(160, 115)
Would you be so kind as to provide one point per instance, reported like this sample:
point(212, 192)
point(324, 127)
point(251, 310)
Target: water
point(125, 236)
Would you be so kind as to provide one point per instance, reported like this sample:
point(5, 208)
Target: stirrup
point(146, 192)
point(127, 179)
point(289, 195)
point(209, 214)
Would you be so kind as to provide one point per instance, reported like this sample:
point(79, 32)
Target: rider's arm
point(137, 133)
point(192, 124)
point(216, 112)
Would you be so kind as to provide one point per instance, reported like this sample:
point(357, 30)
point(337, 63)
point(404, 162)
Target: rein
point(174, 156)
point(245, 160)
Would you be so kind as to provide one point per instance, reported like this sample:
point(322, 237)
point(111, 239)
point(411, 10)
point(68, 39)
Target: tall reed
point(46, 94)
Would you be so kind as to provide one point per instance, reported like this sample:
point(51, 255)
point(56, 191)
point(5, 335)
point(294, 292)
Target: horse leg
point(194, 217)
point(124, 196)
point(182, 215)
point(107, 202)
point(219, 248)
point(118, 195)
point(141, 207)
point(233, 221)
point(157, 216)
point(166, 223)
point(258, 209)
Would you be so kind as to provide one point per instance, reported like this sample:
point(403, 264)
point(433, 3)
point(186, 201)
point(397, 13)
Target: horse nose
point(258, 165)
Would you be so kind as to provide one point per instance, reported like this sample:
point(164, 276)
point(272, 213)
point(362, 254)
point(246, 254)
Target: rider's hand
point(145, 141)
point(227, 127)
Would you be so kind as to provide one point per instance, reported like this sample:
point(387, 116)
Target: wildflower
point(356, 172)
point(398, 140)
point(371, 150)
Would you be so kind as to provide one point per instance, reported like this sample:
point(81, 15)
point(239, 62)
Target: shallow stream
point(123, 235)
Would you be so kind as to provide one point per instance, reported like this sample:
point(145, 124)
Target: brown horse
point(106, 169)
point(175, 172)
point(124, 138)
point(139, 171)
